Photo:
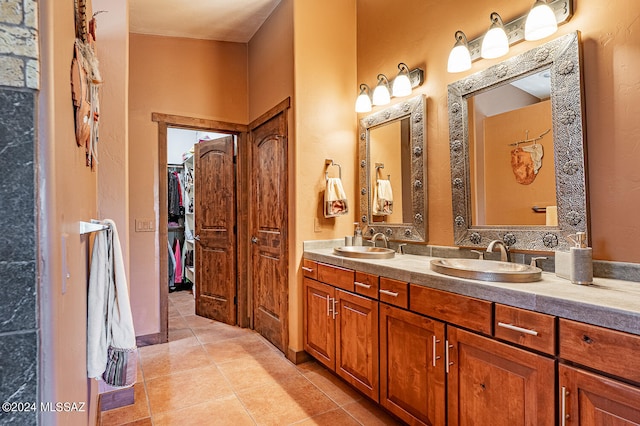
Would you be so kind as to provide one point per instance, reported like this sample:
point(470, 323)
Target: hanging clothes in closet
point(174, 198)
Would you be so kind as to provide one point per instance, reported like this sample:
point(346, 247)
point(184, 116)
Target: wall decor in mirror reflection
point(517, 150)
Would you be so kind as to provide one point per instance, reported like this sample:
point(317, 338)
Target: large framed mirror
point(517, 149)
point(392, 150)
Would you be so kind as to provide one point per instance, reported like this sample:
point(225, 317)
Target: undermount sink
point(365, 252)
point(487, 270)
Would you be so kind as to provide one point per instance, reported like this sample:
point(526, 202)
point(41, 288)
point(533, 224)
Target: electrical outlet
point(316, 225)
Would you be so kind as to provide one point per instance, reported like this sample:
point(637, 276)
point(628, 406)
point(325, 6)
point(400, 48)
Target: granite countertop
point(608, 303)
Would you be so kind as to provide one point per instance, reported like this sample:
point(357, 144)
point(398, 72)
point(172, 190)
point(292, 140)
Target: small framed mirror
point(517, 149)
point(392, 150)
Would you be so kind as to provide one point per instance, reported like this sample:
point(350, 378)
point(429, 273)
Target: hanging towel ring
point(327, 163)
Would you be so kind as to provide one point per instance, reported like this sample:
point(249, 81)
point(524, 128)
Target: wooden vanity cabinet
point(591, 398)
point(492, 383)
point(412, 376)
point(341, 332)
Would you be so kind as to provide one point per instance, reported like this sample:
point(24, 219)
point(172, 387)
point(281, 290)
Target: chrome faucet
point(505, 256)
point(384, 239)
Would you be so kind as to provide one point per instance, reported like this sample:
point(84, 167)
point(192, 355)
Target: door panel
point(357, 342)
point(268, 211)
point(214, 225)
point(319, 325)
point(590, 399)
point(412, 373)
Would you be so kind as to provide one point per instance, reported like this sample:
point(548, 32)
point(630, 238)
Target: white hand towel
point(111, 339)
point(335, 200)
point(383, 198)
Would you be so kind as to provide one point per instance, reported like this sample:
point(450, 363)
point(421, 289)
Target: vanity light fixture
point(495, 42)
point(363, 102)
point(460, 57)
point(524, 27)
point(541, 22)
point(381, 95)
point(402, 84)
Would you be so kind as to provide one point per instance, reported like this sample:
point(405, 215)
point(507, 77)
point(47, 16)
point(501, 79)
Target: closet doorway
point(212, 219)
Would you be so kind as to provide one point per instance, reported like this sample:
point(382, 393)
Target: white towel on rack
point(335, 200)
point(111, 339)
point(383, 198)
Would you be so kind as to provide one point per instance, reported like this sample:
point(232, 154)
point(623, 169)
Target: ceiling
point(222, 20)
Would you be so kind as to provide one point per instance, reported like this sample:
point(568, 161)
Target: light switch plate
point(316, 225)
point(145, 225)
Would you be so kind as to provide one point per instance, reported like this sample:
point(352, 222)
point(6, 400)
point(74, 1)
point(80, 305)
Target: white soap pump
point(576, 264)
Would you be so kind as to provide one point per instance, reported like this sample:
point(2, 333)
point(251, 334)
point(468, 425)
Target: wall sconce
point(381, 95)
point(520, 29)
point(495, 42)
point(402, 85)
point(541, 22)
point(363, 102)
point(459, 58)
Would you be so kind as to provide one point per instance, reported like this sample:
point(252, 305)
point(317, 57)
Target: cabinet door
point(588, 399)
point(319, 329)
point(412, 366)
point(357, 342)
point(491, 383)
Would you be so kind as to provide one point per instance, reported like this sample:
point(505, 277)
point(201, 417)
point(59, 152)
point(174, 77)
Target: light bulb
point(402, 84)
point(381, 94)
point(495, 43)
point(459, 58)
point(541, 22)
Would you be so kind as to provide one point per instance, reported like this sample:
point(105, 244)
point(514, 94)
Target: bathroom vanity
point(434, 349)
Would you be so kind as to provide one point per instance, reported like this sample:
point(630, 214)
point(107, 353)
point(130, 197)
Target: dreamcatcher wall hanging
point(85, 83)
point(526, 161)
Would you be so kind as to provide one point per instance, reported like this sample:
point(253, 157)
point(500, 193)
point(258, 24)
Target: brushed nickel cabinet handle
point(363, 285)
point(447, 363)
point(335, 312)
point(516, 328)
point(564, 414)
point(389, 293)
point(328, 305)
point(435, 357)
point(304, 268)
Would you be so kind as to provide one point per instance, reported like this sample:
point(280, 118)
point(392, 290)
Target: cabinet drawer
point(366, 284)
point(338, 277)
point(394, 292)
point(610, 351)
point(453, 308)
point(531, 329)
point(310, 269)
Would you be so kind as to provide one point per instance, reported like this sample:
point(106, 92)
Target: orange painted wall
point(194, 78)
point(509, 202)
point(67, 195)
point(421, 34)
point(325, 128)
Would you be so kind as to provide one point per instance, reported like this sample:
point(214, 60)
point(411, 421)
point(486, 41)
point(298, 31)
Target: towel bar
point(328, 163)
point(93, 226)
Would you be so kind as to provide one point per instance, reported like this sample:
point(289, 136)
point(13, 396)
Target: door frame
point(241, 132)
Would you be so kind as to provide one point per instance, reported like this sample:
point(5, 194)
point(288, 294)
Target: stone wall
point(19, 328)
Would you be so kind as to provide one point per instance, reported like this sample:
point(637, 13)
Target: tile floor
point(214, 374)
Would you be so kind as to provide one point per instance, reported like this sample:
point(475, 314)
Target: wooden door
point(491, 383)
point(215, 213)
point(587, 399)
point(412, 372)
point(357, 342)
point(319, 325)
point(268, 224)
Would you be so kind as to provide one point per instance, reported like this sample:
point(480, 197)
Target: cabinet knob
point(254, 240)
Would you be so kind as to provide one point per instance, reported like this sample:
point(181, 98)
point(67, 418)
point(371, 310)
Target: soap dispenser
point(357, 235)
point(577, 264)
